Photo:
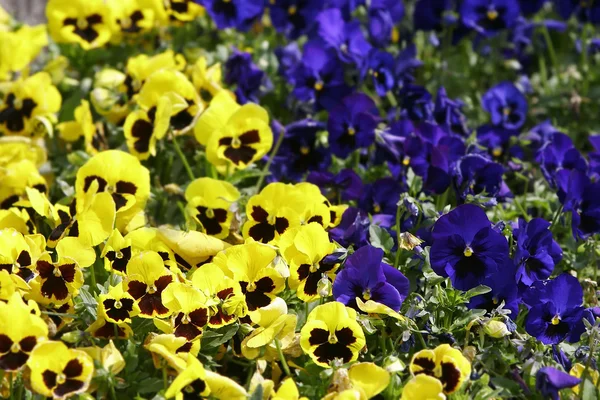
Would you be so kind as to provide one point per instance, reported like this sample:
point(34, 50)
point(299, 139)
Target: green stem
point(265, 170)
point(556, 217)
point(93, 278)
point(551, 50)
point(165, 378)
point(113, 394)
point(286, 369)
point(21, 387)
point(10, 383)
point(186, 165)
point(588, 363)
point(397, 258)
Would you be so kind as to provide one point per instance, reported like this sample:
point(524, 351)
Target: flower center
point(304, 150)
point(251, 287)
point(118, 304)
point(366, 294)
point(555, 320)
point(351, 131)
point(151, 289)
point(506, 111)
point(126, 22)
point(15, 347)
point(60, 379)
point(57, 272)
point(468, 251)
point(110, 189)
point(292, 10)
point(236, 143)
point(185, 319)
point(15, 267)
point(497, 151)
point(492, 15)
point(119, 254)
point(332, 339)
point(495, 300)
point(210, 213)
point(314, 268)
point(319, 85)
point(344, 48)
point(82, 23)
point(406, 161)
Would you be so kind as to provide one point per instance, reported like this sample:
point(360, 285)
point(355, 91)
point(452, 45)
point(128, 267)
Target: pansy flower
point(429, 14)
point(581, 198)
point(62, 278)
point(319, 77)
point(103, 329)
point(85, 22)
point(288, 390)
point(466, 248)
point(172, 349)
point(15, 179)
point(20, 331)
point(129, 17)
point(549, 381)
point(305, 250)
point(444, 363)
point(30, 40)
point(503, 289)
point(210, 204)
point(177, 12)
point(313, 207)
point(206, 80)
point(18, 253)
point(60, 372)
point(274, 324)
point(332, 333)
point(556, 310)
point(293, 18)
point(122, 176)
point(251, 266)
point(117, 252)
point(300, 151)
point(383, 16)
point(83, 126)
point(238, 14)
point(224, 297)
point(251, 82)
point(423, 386)
point(506, 105)
point(353, 229)
point(537, 252)
point(475, 174)
point(364, 380)
point(117, 306)
point(108, 95)
point(584, 10)
point(345, 186)
point(381, 197)
point(146, 279)
point(191, 381)
point(26, 101)
point(345, 38)
point(559, 152)
point(242, 138)
point(352, 124)
point(488, 17)
point(188, 308)
point(270, 213)
point(140, 67)
point(367, 277)
point(379, 69)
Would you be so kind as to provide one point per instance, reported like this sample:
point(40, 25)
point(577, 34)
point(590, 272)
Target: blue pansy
point(238, 14)
point(429, 14)
point(506, 105)
point(584, 11)
point(559, 153)
point(299, 152)
point(581, 197)
point(495, 138)
point(343, 186)
point(466, 248)
point(366, 276)
point(379, 69)
point(288, 58)
point(406, 63)
point(251, 82)
point(383, 16)
point(475, 174)
point(448, 113)
point(417, 102)
point(381, 197)
point(294, 18)
point(319, 77)
point(556, 310)
point(504, 289)
point(353, 229)
point(549, 381)
point(536, 253)
point(488, 17)
point(345, 38)
point(351, 124)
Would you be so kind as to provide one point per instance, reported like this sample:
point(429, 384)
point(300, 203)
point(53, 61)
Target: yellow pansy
point(191, 381)
point(305, 249)
point(15, 178)
point(140, 67)
point(445, 363)
point(117, 306)
point(215, 117)
point(108, 96)
point(332, 333)
point(288, 391)
point(20, 332)
point(209, 203)
point(172, 349)
point(129, 17)
point(85, 22)
point(82, 126)
point(108, 356)
point(28, 100)
point(189, 310)
point(363, 381)
point(59, 372)
point(30, 40)
point(206, 80)
point(423, 387)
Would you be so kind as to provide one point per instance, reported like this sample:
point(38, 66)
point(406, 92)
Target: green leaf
point(476, 291)
point(380, 238)
point(217, 338)
point(589, 391)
